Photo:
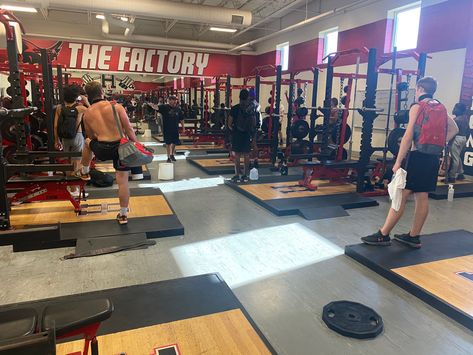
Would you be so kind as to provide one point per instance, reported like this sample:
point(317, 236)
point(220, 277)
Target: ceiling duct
point(151, 9)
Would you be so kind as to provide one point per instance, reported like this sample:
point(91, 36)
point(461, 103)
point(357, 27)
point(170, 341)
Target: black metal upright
point(195, 95)
point(228, 91)
point(48, 86)
point(327, 104)
point(313, 112)
point(277, 110)
point(290, 112)
point(421, 66)
point(366, 149)
point(217, 93)
point(202, 94)
point(257, 87)
point(60, 85)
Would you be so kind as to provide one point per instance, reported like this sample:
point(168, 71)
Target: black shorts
point(422, 172)
point(109, 151)
point(241, 142)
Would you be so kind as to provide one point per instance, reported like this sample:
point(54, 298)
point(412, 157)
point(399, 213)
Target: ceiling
point(82, 24)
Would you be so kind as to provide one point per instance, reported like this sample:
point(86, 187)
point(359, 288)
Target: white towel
point(395, 187)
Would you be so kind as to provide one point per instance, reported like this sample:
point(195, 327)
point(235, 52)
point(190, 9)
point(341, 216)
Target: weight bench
point(336, 171)
point(46, 188)
point(65, 319)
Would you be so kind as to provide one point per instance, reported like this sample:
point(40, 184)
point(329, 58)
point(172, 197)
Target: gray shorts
point(75, 144)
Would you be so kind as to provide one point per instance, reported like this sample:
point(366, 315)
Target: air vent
point(237, 20)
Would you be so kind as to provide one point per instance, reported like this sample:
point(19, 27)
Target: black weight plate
point(401, 117)
point(300, 129)
point(36, 142)
point(300, 147)
point(302, 112)
point(34, 124)
point(394, 140)
point(43, 136)
point(347, 135)
point(352, 319)
point(8, 129)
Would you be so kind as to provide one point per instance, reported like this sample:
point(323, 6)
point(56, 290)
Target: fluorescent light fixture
point(100, 16)
point(18, 8)
point(221, 29)
point(124, 19)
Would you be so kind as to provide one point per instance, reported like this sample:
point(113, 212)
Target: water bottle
point(254, 174)
point(451, 192)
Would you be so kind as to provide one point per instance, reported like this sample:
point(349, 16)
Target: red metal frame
point(47, 191)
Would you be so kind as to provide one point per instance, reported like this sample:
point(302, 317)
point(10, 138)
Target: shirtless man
point(104, 139)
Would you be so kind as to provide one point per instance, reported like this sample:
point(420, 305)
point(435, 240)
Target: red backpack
point(430, 131)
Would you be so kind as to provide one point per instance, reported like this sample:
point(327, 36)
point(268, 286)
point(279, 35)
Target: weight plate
point(36, 142)
point(300, 129)
point(302, 112)
point(300, 147)
point(299, 101)
point(43, 136)
point(347, 135)
point(394, 140)
point(401, 117)
point(352, 319)
point(8, 129)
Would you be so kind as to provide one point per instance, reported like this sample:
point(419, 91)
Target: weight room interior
point(281, 270)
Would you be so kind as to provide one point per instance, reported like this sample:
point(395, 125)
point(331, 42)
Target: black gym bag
point(100, 179)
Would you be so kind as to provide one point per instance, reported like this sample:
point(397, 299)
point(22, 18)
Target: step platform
point(196, 315)
point(440, 273)
point(283, 196)
point(150, 213)
point(220, 165)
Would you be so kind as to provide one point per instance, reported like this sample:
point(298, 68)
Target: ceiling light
point(100, 17)
point(221, 29)
point(18, 8)
point(124, 19)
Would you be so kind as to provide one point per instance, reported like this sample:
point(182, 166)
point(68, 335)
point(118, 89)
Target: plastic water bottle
point(254, 174)
point(451, 192)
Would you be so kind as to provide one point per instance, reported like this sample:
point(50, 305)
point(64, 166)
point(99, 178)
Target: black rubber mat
point(313, 214)
point(159, 302)
point(436, 248)
point(461, 190)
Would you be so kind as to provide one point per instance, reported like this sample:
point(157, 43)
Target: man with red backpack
point(428, 131)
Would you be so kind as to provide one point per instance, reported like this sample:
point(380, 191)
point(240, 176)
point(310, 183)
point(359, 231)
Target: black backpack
point(67, 123)
point(245, 121)
point(100, 179)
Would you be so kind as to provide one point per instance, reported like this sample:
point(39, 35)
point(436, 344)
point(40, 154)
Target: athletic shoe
point(377, 239)
point(244, 178)
point(169, 160)
point(461, 177)
point(236, 179)
point(173, 158)
point(80, 175)
point(122, 219)
point(413, 242)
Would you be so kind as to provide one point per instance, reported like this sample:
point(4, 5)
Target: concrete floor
point(283, 269)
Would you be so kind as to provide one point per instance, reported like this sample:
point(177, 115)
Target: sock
point(123, 211)
point(85, 169)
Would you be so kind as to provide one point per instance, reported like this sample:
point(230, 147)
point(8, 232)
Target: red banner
point(109, 58)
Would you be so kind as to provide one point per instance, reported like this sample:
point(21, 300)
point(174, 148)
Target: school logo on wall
point(468, 158)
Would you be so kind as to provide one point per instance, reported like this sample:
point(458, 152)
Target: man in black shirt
point(172, 115)
point(459, 142)
point(242, 123)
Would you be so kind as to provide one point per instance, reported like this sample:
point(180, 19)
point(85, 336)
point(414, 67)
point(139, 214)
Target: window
point(282, 55)
point(330, 38)
point(406, 26)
